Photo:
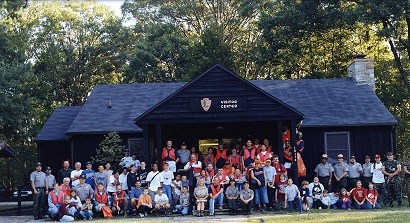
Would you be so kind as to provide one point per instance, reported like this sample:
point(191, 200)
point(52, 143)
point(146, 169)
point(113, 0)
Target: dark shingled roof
point(57, 125)
point(330, 102)
point(324, 102)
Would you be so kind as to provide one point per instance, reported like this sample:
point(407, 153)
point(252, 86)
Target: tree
point(111, 150)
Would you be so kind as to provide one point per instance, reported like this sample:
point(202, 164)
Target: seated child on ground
point(325, 200)
point(344, 201)
point(63, 214)
point(304, 193)
point(144, 203)
point(372, 195)
point(87, 209)
point(161, 201)
point(183, 205)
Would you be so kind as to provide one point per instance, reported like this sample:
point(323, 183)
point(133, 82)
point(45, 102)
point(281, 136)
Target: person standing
point(248, 154)
point(279, 168)
point(263, 155)
point(391, 169)
point(132, 177)
point(221, 155)
point(64, 172)
point(270, 173)
point(50, 179)
point(89, 174)
point(324, 171)
point(75, 174)
point(268, 147)
point(367, 175)
point(126, 160)
point(406, 169)
point(340, 173)
point(154, 180)
point(169, 155)
point(258, 177)
point(101, 177)
point(378, 178)
point(142, 174)
point(38, 184)
point(355, 171)
point(166, 186)
point(184, 155)
point(107, 169)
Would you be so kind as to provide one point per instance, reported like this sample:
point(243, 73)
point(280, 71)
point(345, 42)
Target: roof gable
point(231, 99)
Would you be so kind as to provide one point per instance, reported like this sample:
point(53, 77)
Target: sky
point(115, 5)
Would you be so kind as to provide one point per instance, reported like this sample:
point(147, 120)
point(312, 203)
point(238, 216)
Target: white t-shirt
point(123, 181)
point(155, 180)
point(160, 199)
point(168, 177)
point(378, 176)
point(126, 161)
point(177, 185)
point(73, 174)
point(111, 186)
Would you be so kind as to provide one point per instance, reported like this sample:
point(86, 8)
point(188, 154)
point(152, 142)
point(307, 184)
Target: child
point(201, 195)
point(144, 203)
point(372, 195)
point(239, 179)
point(334, 197)
point(359, 195)
point(231, 196)
point(75, 204)
point(86, 210)
point(325, 200)
point(292, 196)
point(101, 176)
point(316, 190)
point(280, 191)
point(344, 201)
point(63, 214)
point(120, 201)
point(304, 193)
point(183, 207)
point(176, 187)
point(185, 182)
point(161, 201)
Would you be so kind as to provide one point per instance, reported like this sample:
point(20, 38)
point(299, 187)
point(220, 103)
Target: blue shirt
point(135, 192)
point(89, 177)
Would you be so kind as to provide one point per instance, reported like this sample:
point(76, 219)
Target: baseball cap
point(389, 154)
point(268, 161)
point(340, 156)
point(82, 176)
point(367, 157)
point(352, 157)
point(48, 168)
point(183, 144)
point(377, 156)
point(38, 164)
point(324, 156)
point(88, 162)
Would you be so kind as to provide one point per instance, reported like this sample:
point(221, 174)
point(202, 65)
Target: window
point(136, 145)
point(337, 143)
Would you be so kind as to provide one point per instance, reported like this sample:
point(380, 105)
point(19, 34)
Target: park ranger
point(324, 172)
point(38, 184)
point(367, 174)
point(340, 174)
point(391, 169)
point(406, 168)
point(355, 170)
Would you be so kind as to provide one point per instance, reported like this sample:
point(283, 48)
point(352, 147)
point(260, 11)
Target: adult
point(316, 190)
point(201, 195)
point(285, 134)
point(221, 155)
point(268, 147)
point(292, 196)
point(132, 177)
point(75, 174)
point(210, 173)
point(406, 170)
point(154, 180)
point(50, 179)
point(184, 155)
point(257, 146)
point(378, 177)
point(64, 172)
point(84, 189)
point(195, 166)
point(354, 173)
point(263, 155)
point(169, 156)
point(235, 159)
point(38, 185)
point(391, 169)
point(142, 174)
point(216, 195)
point(55, 199)
point(65, 186)
point(134, 195)
point(209, 158)
point(100, 176)
point(270, 173)
point(107, 169)
point(258, 178)
point(367, 175)
point(89, 174)
point(359, 195)
point(126, 160)
point(120, 201)
point(113, 182)
point(135, 161)
point(300, 144)
point(340, 173)
point(288, 157)
point(196, 153)
point(324, 172)
point(222, 177)
point(246, 196)
point(166, 185)
point(280, 168)
point(123, 178)
point(248, 154)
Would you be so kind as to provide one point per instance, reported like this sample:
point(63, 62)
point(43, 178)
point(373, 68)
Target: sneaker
point(307, 209)
point(142, 215)
point(145, 214)
point(221, 208)
point(320, 208)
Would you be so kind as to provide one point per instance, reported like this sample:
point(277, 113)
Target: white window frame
point(338, 133)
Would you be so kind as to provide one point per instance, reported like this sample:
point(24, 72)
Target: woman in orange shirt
point(144, 203)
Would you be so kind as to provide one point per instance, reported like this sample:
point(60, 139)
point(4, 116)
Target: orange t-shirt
point(144, 199)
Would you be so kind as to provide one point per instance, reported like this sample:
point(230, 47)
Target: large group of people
point(239, 180)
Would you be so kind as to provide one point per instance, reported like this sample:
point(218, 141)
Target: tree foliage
point(111, 150)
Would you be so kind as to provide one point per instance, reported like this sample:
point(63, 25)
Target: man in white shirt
point(126, 160)
point(123, 178)
point(75, 174)
point(154, 180)
point(135, 161)
point(378, 178)
point(166, 186)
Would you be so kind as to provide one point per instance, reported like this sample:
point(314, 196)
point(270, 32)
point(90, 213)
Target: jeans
point(261, 196)
point(377, 206)
point(184, 210)
point(168, 191)
point(296, 202)
point(357, 206)
point(74, 211)
point(212, 202)
point(38, 201)
point(53, 211)
point(345, 205)
point(143, 209)
point(87, 215)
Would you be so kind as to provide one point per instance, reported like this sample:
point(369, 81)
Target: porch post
point(295, 157)
point(158, 142)
point(280, 142)
point(147, 150)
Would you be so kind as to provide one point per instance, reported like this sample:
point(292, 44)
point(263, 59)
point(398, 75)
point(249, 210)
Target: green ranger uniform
point(393, 184)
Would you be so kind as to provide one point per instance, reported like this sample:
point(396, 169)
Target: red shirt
point(371, 195)
point(359, 193)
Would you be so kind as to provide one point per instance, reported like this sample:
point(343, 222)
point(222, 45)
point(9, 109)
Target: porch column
point(280, 142)
point(293, 143)
point(147, 150)
point(158, 142)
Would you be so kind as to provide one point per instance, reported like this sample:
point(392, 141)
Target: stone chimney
point(362, 71)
